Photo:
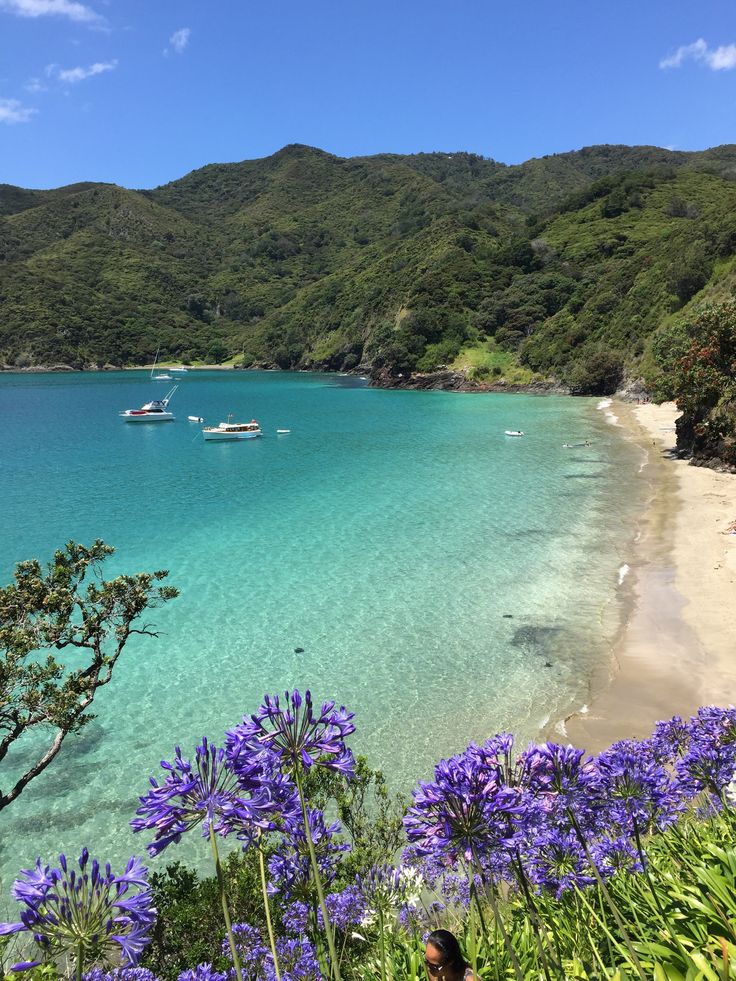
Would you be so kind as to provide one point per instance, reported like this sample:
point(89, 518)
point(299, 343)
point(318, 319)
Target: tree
point(596, 371)
point(688, 272)
point(70, 607)
point(700, 362)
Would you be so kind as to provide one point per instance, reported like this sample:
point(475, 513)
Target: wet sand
point(677, 650)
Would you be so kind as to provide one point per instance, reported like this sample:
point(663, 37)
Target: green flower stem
point(382, 942)
point(606, 932)
point(609, 899)
point(474, 942)
point(645, 866)
point(223, 900)
point(536, 920)
point(334, 965)
point(267, 909)
point(490, 889)
point(80, 960)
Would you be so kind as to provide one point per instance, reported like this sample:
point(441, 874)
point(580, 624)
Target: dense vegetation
point(548, 865)
point(695, 363)
point(565, 266)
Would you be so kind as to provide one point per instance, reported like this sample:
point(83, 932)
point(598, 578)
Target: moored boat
point(513, 432)
point(165, 376)
point(157, 410)
point(232, 430)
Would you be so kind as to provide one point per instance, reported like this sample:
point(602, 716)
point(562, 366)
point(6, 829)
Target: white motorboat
point(157, 410)
point(179, 371)
point(513, 432)
point(232, 430)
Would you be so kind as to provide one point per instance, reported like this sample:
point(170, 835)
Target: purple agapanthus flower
point(202, 972)
point(345, 908)
point(119, 974)
point(250, 947)
point(91, 911)
point(274, 798)
point(636, 794)
point(709, 761)
point(558, 863)
point(495, 757)
point(207, 793)
point(562, 780)
point(612, 855)
point(465, 812)
point(290, 867)
point(297, 732)
point(669, 740)
point(297, 957)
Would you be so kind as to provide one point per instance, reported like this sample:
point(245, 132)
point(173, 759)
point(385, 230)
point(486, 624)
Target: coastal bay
point(440, 579)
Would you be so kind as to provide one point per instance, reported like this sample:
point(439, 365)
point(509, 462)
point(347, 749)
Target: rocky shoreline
point(457, 381)
point(436, 381)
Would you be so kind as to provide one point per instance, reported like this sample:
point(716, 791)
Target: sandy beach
point(677, 650)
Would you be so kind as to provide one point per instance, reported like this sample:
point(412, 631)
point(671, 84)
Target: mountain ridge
point(394, 263)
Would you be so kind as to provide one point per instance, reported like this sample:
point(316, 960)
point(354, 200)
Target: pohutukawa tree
point(69, 607)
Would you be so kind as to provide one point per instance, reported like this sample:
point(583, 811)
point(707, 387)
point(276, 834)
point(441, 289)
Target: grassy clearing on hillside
point(487, 362)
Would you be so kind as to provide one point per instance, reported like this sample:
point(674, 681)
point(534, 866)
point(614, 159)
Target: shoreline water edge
point(677, 647)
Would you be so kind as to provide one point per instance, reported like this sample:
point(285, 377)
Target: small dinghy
point(283, 432)
point(513, 432)
point(195, 418)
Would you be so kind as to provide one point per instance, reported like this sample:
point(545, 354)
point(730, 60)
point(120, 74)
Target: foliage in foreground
point(549, 865)
point(67, 608)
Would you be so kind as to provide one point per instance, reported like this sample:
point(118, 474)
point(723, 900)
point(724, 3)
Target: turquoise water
point(429, 567)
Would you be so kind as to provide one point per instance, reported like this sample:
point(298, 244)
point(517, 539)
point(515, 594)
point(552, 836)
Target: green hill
point(564, 266)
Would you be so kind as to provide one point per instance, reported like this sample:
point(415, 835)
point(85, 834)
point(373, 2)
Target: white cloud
point(179, 40)
point(12, 111)
point(723, 57)
point(56, 8)
point(73, 75)
point(717, 59)
point(34, 85)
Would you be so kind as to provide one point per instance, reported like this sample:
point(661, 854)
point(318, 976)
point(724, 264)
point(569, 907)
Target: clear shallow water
point(429, 566)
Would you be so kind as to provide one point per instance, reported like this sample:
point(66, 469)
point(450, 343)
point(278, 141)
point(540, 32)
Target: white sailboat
point(162, 377)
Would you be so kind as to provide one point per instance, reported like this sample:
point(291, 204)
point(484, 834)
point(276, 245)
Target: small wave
point(583, 710)
point(561, 728)
point(623, 573)
point(603, 404)
point(612, 419)
point(544, 723)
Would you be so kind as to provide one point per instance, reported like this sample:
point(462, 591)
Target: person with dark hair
point(443, 958)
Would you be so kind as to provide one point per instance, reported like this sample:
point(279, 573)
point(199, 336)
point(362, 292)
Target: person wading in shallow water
point(444, 960)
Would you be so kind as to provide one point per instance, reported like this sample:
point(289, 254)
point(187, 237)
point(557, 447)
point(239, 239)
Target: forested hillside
point(563, 267)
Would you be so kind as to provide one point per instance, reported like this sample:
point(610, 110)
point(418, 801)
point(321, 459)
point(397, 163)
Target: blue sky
point(139, 92)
